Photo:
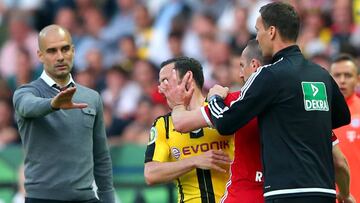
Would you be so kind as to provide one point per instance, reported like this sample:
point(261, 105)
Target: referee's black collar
point(290, 50)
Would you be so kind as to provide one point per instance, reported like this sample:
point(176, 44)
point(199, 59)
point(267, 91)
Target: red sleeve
point(232, 96)
point(334, 139)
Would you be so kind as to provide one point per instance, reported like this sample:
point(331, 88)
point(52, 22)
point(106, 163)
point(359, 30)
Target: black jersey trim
point(197, 134)
point(166, 122)
point(205, 185)
point(149, 153)
point(181, 192)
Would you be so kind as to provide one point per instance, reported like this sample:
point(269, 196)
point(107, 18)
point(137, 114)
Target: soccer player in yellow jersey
point(197, 161)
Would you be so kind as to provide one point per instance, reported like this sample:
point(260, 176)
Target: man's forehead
point(344, 65)
point(258, 22)
point(56, 44)
point(167, 68)
point(54, 38)
point(243, 55)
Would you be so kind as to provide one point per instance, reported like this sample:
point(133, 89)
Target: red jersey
point(349, 137)
point(246, 181)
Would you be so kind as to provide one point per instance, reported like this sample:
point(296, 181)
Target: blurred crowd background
point(119, 45)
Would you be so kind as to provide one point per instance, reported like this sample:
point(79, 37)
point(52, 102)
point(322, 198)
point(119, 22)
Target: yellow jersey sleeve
point(158, 148)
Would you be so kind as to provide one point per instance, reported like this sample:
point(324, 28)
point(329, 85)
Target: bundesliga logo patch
point(315, 97)
point(153, 135)
point(175, 152)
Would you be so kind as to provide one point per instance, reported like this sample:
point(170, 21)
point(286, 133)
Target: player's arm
point(161, 172)
point(342, 173)
point(256, 95)
point(187, 120)
point(340, 111)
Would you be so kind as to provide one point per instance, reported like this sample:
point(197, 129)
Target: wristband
point(215, 96)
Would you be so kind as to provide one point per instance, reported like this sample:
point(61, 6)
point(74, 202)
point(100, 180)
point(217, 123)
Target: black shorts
point(307, 199)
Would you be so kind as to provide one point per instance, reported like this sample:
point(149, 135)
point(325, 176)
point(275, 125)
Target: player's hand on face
point(348, 199)
point(178, 92)
point(218, 90)
point(212, 159)
point(63, 100)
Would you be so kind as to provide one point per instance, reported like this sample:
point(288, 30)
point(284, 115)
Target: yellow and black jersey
point(168, 145)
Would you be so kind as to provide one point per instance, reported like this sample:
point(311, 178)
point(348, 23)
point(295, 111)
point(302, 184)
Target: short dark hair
point(254, 51)
point(343, 57)
point(284, 17)
point(184, 64)
point(346, 57)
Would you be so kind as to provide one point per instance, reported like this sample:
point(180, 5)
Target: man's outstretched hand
point(63, 100)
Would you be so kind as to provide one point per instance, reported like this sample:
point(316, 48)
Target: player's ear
point(40, 55)
point(272, 31)
point(255, 64)
point(189, 79)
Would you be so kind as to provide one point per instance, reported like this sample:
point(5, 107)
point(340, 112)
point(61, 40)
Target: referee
point(297, 103)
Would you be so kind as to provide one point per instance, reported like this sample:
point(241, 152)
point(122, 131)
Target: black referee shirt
point(298, 104)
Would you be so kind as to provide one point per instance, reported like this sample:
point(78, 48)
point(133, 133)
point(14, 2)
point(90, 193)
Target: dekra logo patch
point(315, 97)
